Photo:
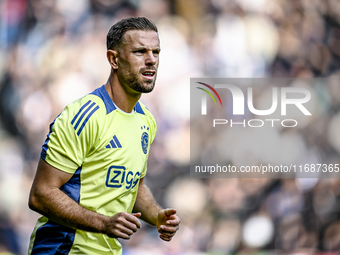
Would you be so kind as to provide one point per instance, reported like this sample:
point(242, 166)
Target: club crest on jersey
point(145, 139)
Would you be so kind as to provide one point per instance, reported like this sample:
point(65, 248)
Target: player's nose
point(151, 58)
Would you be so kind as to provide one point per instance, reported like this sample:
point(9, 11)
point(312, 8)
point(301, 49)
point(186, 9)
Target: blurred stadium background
point(53, 51)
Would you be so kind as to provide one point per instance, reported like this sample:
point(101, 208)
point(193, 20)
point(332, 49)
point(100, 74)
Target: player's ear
point(112, 56)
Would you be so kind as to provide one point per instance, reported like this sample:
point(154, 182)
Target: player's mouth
point(150, 74)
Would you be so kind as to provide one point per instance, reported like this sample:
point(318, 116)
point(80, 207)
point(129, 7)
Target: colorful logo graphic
point(213, 90)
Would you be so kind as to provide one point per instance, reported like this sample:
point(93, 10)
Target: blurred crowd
point(53, 52)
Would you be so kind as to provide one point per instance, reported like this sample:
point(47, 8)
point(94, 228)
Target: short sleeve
point(153, 130)
point(153, 127)
point(71, 136)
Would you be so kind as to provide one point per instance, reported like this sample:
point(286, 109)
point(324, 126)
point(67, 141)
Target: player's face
point(138, 60)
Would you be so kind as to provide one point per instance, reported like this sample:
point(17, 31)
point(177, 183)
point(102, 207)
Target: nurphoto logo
point(251, 128)
point(295, 96)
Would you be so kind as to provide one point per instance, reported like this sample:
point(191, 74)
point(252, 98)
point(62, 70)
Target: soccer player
point(89, 184)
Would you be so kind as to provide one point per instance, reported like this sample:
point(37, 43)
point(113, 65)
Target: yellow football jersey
point(106, 150)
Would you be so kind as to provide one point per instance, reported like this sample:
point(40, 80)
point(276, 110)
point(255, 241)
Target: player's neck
point(126, 102)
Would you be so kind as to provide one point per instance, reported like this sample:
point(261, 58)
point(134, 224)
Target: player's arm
point(166, 220)
point(47, 198)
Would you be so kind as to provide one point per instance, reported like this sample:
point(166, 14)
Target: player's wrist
point(159, 217)
point(103, 223)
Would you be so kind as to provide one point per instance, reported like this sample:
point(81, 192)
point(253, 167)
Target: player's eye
point(141, 51)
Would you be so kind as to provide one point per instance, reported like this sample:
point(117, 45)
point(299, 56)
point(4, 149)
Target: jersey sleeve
point(72, 135)
point(153, 130)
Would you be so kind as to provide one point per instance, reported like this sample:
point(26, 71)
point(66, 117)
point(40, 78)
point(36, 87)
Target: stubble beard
point(139, 86)
point(147, 87)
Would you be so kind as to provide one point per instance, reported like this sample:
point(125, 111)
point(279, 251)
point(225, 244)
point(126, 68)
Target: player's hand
point(123, 225)
point(167, 224)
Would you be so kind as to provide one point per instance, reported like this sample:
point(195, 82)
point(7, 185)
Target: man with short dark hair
point(89, 184)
